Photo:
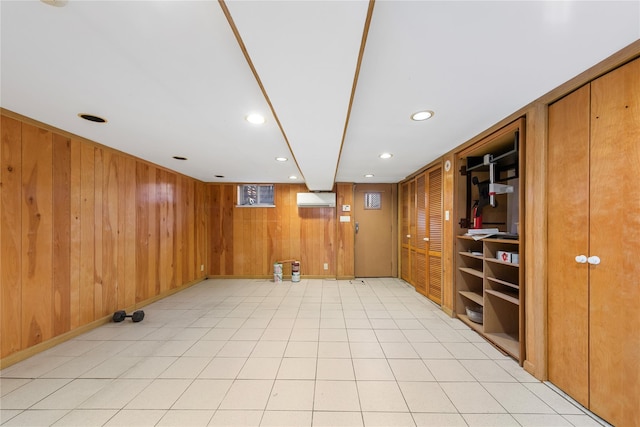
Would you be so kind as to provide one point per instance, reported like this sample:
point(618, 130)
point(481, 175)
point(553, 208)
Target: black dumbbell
point(120, 315)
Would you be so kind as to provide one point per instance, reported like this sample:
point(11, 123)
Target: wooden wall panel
point(180, 220)
point(295, 223)
point(87, 238)
point(215, 228)
point(245, 242)
point(110, 211)
point(153, 255)
point(75, 205)
point(227, 227)
point(165, 234)
point(98, 189)
point(37, 236)
point(190, 232)
point(128, 297)
point(61, 234)
point(202, 226)
point(345, 242)
point(170, 230)
point(11, 236)
point(448, 237)
point(142, 231)
point(121, 167)
point(86, 230)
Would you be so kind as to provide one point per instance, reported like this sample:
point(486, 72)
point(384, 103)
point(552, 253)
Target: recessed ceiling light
point(256, 119)
point(293, 177)
point(92, 118)
point(369, 175)
point(385, 155)
point(179, 158)
point(281, 159)
point(422, 115)
point(56, 3)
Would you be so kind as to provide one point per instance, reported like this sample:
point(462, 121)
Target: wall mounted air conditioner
point(316, 200)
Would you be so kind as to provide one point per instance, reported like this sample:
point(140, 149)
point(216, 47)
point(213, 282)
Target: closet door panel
point(615, 239)
point(419, 260)
point(435, 235)
point(568, 226)
point(405, 230)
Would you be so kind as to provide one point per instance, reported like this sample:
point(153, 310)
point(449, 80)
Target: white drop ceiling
point(177, 78)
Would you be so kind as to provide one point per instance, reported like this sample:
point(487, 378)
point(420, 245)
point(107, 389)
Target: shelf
point(481, 275)
point(503, 282)
point(511, 297)
point(507, 342)
point(473, 325)
point(470, 255)
point(463, 237)
point(471, 271)
point(473, 296)
point(504, 241)
point(497, 261)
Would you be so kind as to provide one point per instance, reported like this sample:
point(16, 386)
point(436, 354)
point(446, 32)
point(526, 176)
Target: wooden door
point(374, 218)
point(614, 230)
point(419, 238)
point(568, 226)
point(434, 266)
point(593, 205)
point(405, 268)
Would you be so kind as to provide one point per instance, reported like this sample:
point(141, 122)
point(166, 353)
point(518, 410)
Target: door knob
point(581, 259)
point(593, 260)
point(357, 227)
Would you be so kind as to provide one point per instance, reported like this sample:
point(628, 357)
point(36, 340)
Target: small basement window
point(255, 195)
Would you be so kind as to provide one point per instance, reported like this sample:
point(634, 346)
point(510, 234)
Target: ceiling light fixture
point(385, 155)
point(56, 3)
point(92, 118)
point(422, 115)
point(179, 158)
point(281, 159)
point(369, 175)
point(256, 119)
point(218, 176)
point(293, 177)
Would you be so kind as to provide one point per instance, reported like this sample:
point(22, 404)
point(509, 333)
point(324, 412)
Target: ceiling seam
point(363, 43)
point(245, 52)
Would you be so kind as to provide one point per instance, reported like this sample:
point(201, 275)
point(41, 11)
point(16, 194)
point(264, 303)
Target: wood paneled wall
point(86, 230)
point(246, 241)
point(345, 254)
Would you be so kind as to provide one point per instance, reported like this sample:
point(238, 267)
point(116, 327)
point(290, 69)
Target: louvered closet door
point(405, 267)
point(614, 237)
point(419, 251)
point(434, 287)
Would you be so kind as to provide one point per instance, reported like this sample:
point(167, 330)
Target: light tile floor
point(256, 353)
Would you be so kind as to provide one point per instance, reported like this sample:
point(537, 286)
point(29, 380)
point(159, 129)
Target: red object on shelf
point(477, 217)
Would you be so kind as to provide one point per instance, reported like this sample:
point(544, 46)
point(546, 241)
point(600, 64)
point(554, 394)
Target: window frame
point(240, 196)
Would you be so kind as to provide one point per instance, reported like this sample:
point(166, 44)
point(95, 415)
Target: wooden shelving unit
point(486, 281)
point(490, 178)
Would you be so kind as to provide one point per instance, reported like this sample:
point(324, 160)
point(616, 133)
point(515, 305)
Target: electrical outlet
point(201, 267)
point(326, 265)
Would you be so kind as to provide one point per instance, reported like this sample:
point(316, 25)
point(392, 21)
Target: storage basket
point(474, 313)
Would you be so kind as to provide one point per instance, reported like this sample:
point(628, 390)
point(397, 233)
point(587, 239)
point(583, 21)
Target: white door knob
point(426, 239)
point(581, 259)
point(593, 260)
